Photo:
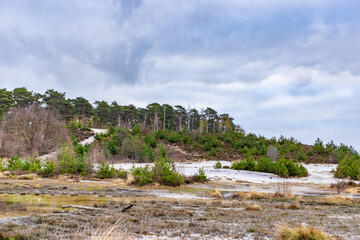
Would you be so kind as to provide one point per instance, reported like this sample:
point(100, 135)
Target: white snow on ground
point(318, 173)
point(92, 138)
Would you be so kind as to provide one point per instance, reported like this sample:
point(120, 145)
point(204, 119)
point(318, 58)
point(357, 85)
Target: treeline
point(154, 116)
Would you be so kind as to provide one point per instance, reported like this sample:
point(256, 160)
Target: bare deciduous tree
point(31, 130)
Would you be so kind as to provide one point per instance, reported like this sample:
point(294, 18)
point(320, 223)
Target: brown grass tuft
point(253, 208)
point(301, 233)
point(216, 193)
point(338, 199)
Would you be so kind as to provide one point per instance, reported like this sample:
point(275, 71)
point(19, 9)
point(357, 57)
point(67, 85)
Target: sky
point(280, 67)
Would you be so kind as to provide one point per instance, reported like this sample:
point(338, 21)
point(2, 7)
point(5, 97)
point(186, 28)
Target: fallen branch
point(95, 209)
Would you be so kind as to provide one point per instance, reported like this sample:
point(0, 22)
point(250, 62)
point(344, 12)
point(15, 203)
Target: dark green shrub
point(265, 164)
point(150, 140)
point(186, 139)
point(70, 163)
point(142, 175)
point(175, 137)
point(349, 166)
point(319, 146)
point(162, 152)
point(247, 164)
point(31, 165)
point(122, 173)
point(217, 165)
point(136, 130)
point(148, 154)
point(14, 163)
point(165, 173)
point(301, 156)
point(201, 175)
point(105, 171)
point(207, 146)
point(212, 152)
point(160, 134)
point(310, 152)
point(1, 165)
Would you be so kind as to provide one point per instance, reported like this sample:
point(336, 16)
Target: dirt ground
point(72, 209)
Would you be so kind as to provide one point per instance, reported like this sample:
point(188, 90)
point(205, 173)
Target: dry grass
point(252, 195)
point(253, 208)
point(301, 233)
point(216, 193)
point(110, 232)
point(337, 199)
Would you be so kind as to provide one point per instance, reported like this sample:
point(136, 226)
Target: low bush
point(201, 175)
point(247, 164)
point(105, 171)
point(142, 175)
point(175, 137)
point(161, 151)
point(148, 154)
point(186, 139)
point(150, 140)
point(349, 166)
point(14, 163)
point(212, 152)
point(217, 165)
point(164, 172)
point(160, 134)
point(69, 162)
point(300, 156)
point(31, 165)
point(136, 130)
point(49, 167)
point(283, 167)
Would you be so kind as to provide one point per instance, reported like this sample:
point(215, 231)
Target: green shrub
point(148, 154)
point(162, 152)
point(142, 175)
point(349, 166)
point(122, 173)
point(217, 165)
point(310, 152)
point(164, 172)
point(48, 167)
point(105, 171)
point(14, 163)
point(283, 167)
point(319, 146)
point(186, 139)
point(136, 130)
point(160, 134)
point(301, 156)
point(175, 137)
point(265, 164)
point(150, 140)
point(69, 162)
point(212, 152)
point(247, 164)
point(31, 165)
point(201, 175)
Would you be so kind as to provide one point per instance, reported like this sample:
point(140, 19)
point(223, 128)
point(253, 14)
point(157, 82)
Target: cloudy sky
point(280, 67)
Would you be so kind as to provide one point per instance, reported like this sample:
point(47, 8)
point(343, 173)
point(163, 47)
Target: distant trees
point(154, 116)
